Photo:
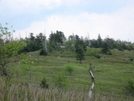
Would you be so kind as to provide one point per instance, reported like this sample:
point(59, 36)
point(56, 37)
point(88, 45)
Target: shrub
point(44, 83)
point(131, 59)
point(43, 52)
point(97, 56)
point(93, 52)
point(61, 80)
point(69, 69)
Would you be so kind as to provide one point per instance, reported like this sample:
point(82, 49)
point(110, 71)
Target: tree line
point(58, 41)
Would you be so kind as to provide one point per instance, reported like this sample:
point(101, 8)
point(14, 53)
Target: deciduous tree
point(9, 48)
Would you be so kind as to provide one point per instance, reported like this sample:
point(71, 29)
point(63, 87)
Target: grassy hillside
point(111, 73)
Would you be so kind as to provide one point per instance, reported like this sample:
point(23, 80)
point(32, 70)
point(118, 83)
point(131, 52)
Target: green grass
point(111, 73)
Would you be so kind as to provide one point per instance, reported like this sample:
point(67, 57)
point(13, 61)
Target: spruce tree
point(80, 49)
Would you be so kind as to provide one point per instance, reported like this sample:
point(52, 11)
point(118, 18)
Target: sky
point(109, 18)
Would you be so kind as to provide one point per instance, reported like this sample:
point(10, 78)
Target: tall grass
point(29, 92)
point(111, 75)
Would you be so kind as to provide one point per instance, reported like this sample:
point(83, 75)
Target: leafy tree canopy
point(8, 48)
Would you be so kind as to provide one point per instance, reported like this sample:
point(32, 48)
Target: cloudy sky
point(109, 18)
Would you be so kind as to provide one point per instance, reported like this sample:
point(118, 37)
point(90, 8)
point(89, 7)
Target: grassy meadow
point(111, 72)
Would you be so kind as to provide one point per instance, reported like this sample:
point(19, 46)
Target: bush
point(43, 52)
point(109, 53)
point(97, 56)
point(69, 69)
point(130, 88)
point(61, 80)
point(44, 83)
point(90, 53)
point(93, 52)
point(131, 59)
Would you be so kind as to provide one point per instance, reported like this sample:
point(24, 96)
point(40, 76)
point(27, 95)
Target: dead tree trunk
point(93, 81)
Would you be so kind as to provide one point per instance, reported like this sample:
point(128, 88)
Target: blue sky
point(113, 18)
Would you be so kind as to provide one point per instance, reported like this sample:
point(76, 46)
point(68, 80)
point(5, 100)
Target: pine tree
point(80, 49)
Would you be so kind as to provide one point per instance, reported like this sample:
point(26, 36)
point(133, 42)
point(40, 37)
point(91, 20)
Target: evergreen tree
point(80, 49)
point(99, 41)
point(56, 39)
point(105, 49)
point(43, 50)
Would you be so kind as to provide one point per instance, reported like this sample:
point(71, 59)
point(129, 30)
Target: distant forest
point(58, 41)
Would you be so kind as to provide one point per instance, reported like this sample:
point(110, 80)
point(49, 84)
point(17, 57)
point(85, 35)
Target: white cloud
point(117, 25)
point(22, 6)
point(35, 27)
point(123, 23)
